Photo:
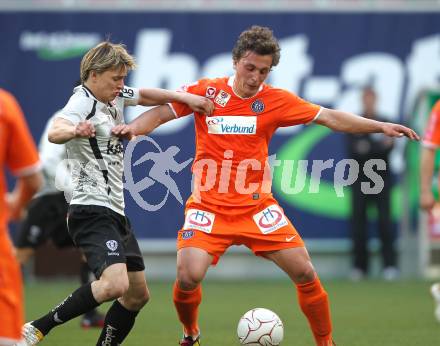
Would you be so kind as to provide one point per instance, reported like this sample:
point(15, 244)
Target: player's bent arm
point(24, 190)
point(149, 120)
point(63, 130)
point(351, 123)
point(156, 96)
point(426, 173)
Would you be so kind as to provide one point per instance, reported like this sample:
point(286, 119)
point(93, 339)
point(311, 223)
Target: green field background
point(364, 314)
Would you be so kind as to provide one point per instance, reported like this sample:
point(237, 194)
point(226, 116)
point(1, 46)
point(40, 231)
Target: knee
point(113, 289)
point(136, 300)
point(305, 274)
point(188, 279)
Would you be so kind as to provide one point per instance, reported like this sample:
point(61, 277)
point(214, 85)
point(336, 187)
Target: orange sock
point(187, 306)
point(314, 304)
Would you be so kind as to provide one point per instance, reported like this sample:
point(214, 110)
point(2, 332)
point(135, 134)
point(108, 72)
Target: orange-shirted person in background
point(430, 143)
point(232, 203)
point(18, 153)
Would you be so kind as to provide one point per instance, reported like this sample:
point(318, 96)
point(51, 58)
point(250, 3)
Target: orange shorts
point(11, 294)
point(261, 228)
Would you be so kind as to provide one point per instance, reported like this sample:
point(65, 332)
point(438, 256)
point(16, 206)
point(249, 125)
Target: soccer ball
point(260, 327)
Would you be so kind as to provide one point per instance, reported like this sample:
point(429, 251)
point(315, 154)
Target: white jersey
point(53, 158)
point(97, 163)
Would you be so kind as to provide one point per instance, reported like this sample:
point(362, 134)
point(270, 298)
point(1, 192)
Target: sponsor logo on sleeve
point(222, 98)
point(200, 220)
point(270, 219)
point(127, 92)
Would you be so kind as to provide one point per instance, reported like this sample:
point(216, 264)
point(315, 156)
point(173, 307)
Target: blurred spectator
point(364, 147)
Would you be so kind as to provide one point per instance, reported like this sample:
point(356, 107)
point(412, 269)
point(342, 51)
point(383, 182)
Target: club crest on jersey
point(257, 106)
point(210, 92)
point(222, 98)
point(200, 220)
point(270, 219)
point(112, 245)
point(187, 234)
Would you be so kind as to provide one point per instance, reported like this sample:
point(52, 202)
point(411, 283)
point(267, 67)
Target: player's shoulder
point(436, 107)
point(81, 101)
point(277, 93)
point(5, 95)
point(6, 102)
point(9, 107)
point(214, 81)
point(209, 87)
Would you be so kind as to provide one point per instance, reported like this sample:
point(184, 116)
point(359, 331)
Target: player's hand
point(85, 129)
point(16, 213)
point(199, 104)
point(427, 200)
point(397, 130)
point(124, 131)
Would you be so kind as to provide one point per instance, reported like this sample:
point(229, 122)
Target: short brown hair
point(257, 39)
point(105, 56)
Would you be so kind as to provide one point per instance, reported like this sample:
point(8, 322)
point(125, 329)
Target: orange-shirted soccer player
point(430, 144)
point(431, 141)
point(231, 202)
point(19, 154)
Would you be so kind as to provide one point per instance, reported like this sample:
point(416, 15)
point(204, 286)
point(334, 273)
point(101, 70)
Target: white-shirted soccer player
point(97, 223)
point(45, 217)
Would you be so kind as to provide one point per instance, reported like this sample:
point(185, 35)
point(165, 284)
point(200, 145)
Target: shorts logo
point(199, 220)
point(210, 92)
point(222, 98)
point(112, 245)
point(270, 219)
point(257, 106)
point(187, 234)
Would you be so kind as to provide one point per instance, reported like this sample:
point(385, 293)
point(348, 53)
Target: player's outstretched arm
point(62, 130)
point(427, 200)
point(156, 96)
point(351, 123)
point(144, 123)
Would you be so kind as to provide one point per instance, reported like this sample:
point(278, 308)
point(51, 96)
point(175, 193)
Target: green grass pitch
point(368, 313)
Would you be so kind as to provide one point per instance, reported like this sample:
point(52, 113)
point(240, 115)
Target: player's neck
point(242, 94)
point(95, 93)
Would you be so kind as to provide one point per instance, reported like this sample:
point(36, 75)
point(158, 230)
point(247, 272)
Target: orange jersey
point(231, 160)
point(17, 149)
point(432, 133)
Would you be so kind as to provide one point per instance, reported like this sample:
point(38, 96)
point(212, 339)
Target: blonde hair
point(105, 56)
